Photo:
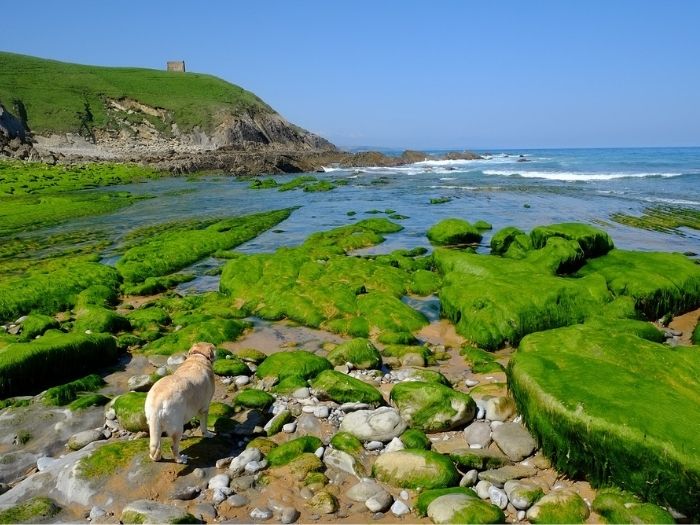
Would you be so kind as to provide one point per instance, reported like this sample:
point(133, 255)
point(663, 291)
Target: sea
point(523, 188)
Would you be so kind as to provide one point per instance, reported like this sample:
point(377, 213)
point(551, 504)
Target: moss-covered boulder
point(480, 361)
point(35, 325)
point(25, 368)
point(432, 407)
point(263, 444)
point(148, 319)
point(296, 363)
point(660, 283)
point(251, 355)
point(593, 241)
point(415, 468)
point(130, 411)
point(286, 452)
point(559, 506)
point(34, 510)
point(343, 388)
point(425, 375)
point(214, 331)
point(463, 508)
point(409, 355)
point(68, 392)
point(511, 242)
point(598, 398)
point(415, 438)
point(360, 352)
point(478, 458)
point(619, 506)
point(347, 443)
point(426, 497)
point(252, 398)
point(231, 366)
point(99, 319)
point(453, 231)
point(148, 511)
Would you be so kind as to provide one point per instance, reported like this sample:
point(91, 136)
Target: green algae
point(343, 388)
point(50, 286)
point(28, 367)
point(426, 497)
point(264, 445)
point(276, 423)
point(67, 393)
point(99, 319)
point(696, 334)
point(453, 231)
point(213, 331)
point(432, 407)
point(33, 510)
point(170, 251)
point(130, 411)
point(619, 506)
point(480, 362)
point(250, 354)
point(480, 459)
point(347, 443)
point(660, 283)
point(424, 282)
point(297, 183)
point(593, 241)
point(666, 219)
point(440, 200)
point(414, 468)
point(97, 294)
point(230, 367)
point(415, 438)
point(598, 398)
point(219, 417)
point(84, 401)
point(154, 285)
point(35, 325)
point(295, 364)
point(413, 354)
point(360, 352)
point(263, 184)
point(149, 319)
point(252, 398)
point(111, 457)
point(286, 452)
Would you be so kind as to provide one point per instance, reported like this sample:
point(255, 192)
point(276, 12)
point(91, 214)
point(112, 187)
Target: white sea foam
point(672, 201)
point(572, 176)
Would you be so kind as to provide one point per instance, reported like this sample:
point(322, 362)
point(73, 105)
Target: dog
point(177, 398)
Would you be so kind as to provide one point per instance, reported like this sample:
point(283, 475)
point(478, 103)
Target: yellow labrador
point(177, 398)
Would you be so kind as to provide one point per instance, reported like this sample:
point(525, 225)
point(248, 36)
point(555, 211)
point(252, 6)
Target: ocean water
point(558, 185)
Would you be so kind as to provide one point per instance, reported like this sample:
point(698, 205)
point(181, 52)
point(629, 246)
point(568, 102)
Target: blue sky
point(455, 74)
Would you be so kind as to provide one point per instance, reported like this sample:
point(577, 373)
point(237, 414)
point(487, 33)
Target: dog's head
point(204, 349)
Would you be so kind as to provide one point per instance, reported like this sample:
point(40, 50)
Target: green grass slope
point(54, 92)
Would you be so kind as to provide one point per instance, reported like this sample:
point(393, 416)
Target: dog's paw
point(182, 459)
point(208, 434)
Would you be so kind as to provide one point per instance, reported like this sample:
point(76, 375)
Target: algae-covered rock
point(415, 438)
point(286, 452)
point(511, 242)
point(250, 354)
point(147, 511)
point(99, 319)
point(323, 502)
point(619, 506)
point(130, 411)
point(478, 458)
point(27, 367)
point(559, 506)
point(275, 424)
point(214, 331)
point(522, 493)
point(264, 445)
point(463, 508)
point(382, 424)
point(409, 355)
point(598, 400)
point(360, 352)
point(453, 231)
point(347, 443)
point(230, 367)
point(432, 407)
point(296, 363)
point(480, 361)
point(424, 375)
point(660, 283)
point(426, 497)
point(34, 510)
point(343, 388)
point(35, 325)
point(415, 468)
point(593, 241)
point(252, 398)
point(67, 393)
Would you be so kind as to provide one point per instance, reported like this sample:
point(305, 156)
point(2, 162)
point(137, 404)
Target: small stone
point(186, 493)
point(521, 515)
point(498, 497)
point(482, 489)
point(324, 502)
point(340, 460)
point(243, 483)
point(394, 445)
point(380, 502)
point(471, 382)
point(289, 428)
point(176, 359)
point(199, 473)
point(260, 513)
point(204, 511)
point(480, 413)
point(96, 513)
point(84, 438)
point(162, 371)
point(514, 440)
point(301, 393)
point(140, 383)
point(499, 408)
point(255, 466)
point(499, 476)
point(308, 409)
point(45, 462)
point(374, 445)
point(399, 508)
point(319, 452)
point(352, 407)
point(239, 462)
point(321, 412)
point(218, 496)
point(289, 515)
point(219, 481)
point(110, 414)
point(241, 380)
point(469, 479)
point(224, 462)
point(522, 493)
point(237, 500)
point(364, 490)
point(478, 433)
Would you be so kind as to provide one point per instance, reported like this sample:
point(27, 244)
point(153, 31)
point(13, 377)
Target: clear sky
point(462, 74)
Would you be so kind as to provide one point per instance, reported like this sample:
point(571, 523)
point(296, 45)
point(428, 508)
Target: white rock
point(289, 428)
point(261, 514)
point(498, 497)
point(380, 502)
point(374, 445)
point(219, 481)
point(340, 460)
point(242, 380)
point(319, 452)
point(482, 489)
point(45, 462)
point(224, 462)
point(239, 462)
point(394, 445)
point(469, 479)
point(521, 515)
point(321, 412)
point(471, 382)
point(496, 424)
point(480, 413)
point(96, 512)
point(176, 359)
point(308, 409)
point(301, 393)
point(110, 414)
point(399, 508)
point(404, 495)
point(255, 466)
point(218, 496)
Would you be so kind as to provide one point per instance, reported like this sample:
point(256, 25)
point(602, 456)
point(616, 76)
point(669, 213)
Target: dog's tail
point(155, 431)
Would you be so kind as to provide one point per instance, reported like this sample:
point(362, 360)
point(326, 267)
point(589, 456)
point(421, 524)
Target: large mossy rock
point(99, 319)
point(343, 388)
point(213, 331)
point(34, 510)
point(296, 363)
point(35, 325)
point(130, 411)
point(54, 358)
point(559, 506)
point(605, 401)
point(360, 352)
point(494, 299)
point(147, 511)
point(660, 283)
point(286, 452)
point(619, 506)
point(413, 468)
point(453, 231)
point(593, 241)
point(432, 407)
point(463, 508)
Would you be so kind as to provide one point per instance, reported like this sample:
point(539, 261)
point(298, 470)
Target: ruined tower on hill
point(176, 65)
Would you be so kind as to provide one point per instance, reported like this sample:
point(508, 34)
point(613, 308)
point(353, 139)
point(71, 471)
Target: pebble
point(319, 452)
point(301, 393)
point(219, 481)
point(243, 483)
point(45, 462)
point(237, 500)
point(224, 462)
point(521, 515)
point(394, 445)
point(242, 380)
point(110, 414)
point(399, 508)
point(308, 409)
point(176, 359)
point(480, 413)
point(498, 497)
point(352, 407)
point(471, 382)
point(226, 381)
point(289, 515)
point(380, 502)
point(162, 371)
point(289, 428)
point(199, 473)
point(255, 466)
point(374, 445)
point(96, 512)
point(469, 479)
point(239, 462)
point(186, 494)
point(321, 412)
point(482, 489)
point(261, 513)
point(219, 496)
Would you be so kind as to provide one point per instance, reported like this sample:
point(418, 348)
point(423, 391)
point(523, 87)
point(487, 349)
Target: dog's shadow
point(205, 452)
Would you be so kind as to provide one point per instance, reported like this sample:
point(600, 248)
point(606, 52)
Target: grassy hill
point(54, 93)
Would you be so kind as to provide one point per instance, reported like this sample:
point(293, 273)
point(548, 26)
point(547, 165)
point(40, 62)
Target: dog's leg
point(179, 458)
point(203, 416)
point(155, 432)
